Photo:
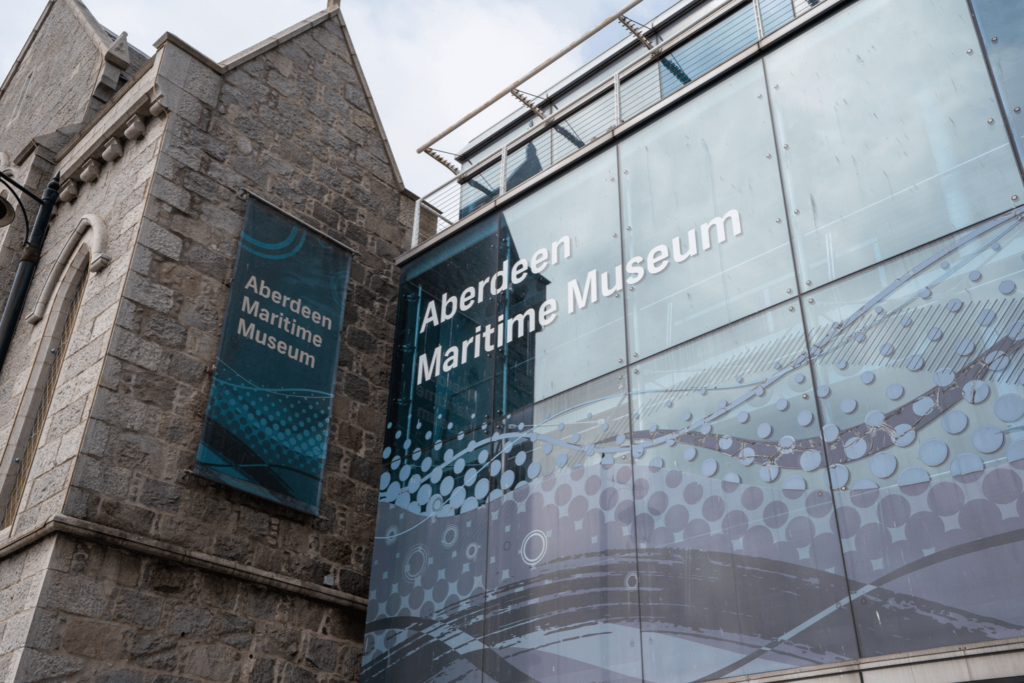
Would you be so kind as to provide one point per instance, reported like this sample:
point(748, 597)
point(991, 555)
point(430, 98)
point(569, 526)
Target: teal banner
point(267, 420)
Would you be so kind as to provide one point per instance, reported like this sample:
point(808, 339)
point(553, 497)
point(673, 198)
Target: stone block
point(159, 240)
point(189, 620)
point(161, 496)
point(94, 640)
point(322, 654)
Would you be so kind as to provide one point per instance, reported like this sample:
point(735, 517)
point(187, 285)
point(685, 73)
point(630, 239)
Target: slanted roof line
point(369, 98)
point(273, 41)
point(98, 34)
point(28, 44)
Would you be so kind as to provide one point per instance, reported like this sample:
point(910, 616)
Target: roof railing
point(665, 69)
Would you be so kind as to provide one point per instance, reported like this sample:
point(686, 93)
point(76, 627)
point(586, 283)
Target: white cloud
point(428, 62)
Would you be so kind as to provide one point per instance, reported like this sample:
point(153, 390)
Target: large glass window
point(562, 569)
point(740, 567)
point(883, 113)
point(1002, 28)
point(705, 236)
point(443, 372)
point(558, 245)
point(918, 370)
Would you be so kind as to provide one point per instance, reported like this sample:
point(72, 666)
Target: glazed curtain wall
point(742, 393)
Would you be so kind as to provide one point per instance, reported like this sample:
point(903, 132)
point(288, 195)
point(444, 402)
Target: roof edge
point(369, 98)
point(28, 44)
point(273, 41)
point(169, 37)
point(96, 32)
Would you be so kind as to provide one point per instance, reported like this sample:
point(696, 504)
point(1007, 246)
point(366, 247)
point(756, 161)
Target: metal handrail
point(446, 202)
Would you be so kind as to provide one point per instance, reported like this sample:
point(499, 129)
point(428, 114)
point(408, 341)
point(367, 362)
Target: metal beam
point(545, 64)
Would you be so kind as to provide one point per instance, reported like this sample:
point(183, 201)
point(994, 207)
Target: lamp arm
point(21, 187)
point(7, 181)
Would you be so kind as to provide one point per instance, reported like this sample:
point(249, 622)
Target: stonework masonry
point(121, 565)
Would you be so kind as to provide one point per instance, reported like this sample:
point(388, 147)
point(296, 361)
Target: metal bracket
point(441, 160)
point(632, 27)
point(522, 98)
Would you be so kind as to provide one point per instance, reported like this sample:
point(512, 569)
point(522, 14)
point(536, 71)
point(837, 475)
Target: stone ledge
point(194, 53)
point(273, 41)
point(98, 533)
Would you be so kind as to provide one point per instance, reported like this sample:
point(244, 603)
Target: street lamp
point(29, 256)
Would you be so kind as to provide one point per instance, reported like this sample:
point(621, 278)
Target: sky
point(428, 62)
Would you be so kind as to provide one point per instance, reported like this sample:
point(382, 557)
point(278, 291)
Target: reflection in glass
point(1002, 28)
point(702, 184)
point(560, 140)
point(429, 563)
point(479, 189)
point(560, 238)
point(442, 380)
point(562, 580)
point(740, 568)
point(700, 55)
point(775, 14)
point(883, 115)
point(919, 375)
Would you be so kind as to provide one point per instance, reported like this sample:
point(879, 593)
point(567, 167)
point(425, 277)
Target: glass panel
point(740, 568)
point(702, 185)
point(425, 612)
point(775, 14)
point(480, 189)
point(529, 160)
point(562, 580)
point(1002, 27)
point(559, 330)
point(583, 127)
point(442, 376)
point(640, 91)
point(884, 119)
point(700, 55)
point(919, 379)
point(693, 59)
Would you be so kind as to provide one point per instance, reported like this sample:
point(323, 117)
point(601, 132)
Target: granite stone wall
point(293, 125)
point(95, 613)
point(117, 197)
point(127, 566)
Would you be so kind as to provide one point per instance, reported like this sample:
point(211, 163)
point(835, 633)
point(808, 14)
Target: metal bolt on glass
point(970, 52)
point(769, 156)
point(991, 120)
point(807, 282)
point(796, 212)
point(810, 301)
point(789, 290)
point(995, 39)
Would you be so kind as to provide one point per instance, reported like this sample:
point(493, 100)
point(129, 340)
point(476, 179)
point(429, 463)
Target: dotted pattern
point(892, 438)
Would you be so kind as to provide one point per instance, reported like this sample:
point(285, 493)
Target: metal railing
point(662, 71)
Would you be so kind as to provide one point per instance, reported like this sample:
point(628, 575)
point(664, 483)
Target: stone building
point(116, 562)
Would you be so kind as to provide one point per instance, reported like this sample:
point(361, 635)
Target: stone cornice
point(134, 543)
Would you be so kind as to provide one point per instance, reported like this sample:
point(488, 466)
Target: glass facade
point(741, 392)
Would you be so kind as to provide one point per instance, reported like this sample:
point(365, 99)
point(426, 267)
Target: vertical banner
point(267, 421)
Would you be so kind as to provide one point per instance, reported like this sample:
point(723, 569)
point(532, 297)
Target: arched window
point(55, 358)
point(62, 295)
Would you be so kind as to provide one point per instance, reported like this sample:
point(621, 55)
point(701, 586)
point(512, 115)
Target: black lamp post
point(29, 256)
